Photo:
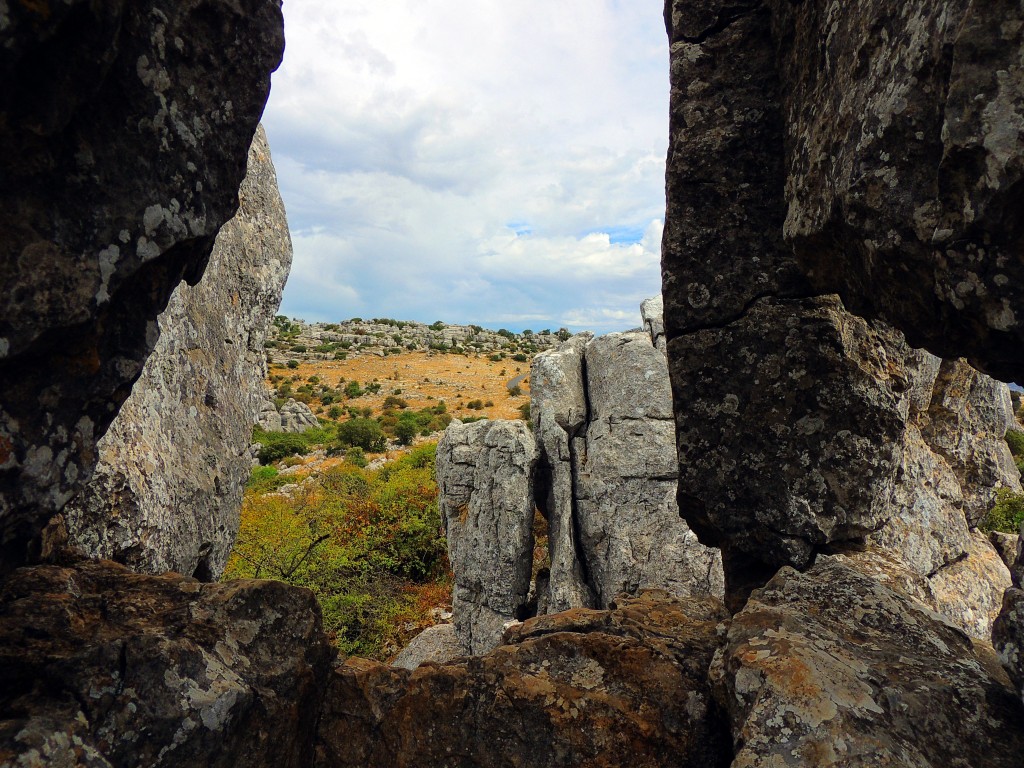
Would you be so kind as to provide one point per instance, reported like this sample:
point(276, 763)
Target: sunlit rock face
point(120, 158)
point(167, 492)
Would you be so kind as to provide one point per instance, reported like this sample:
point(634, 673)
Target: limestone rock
point(1008, 636)
point(485, 492)
point(970, 590)
point(789, 422)
point(296, 417)
point(1007, 546)
point(102, 666)
point(558, 408)
point(653, 313)
point(904, 159)
point(626, 475)
point(121, 157)
point(269, 418)
point(167, 491)
point(966, 423)
point(832, 668)
point(439, 643)
point(583, 688)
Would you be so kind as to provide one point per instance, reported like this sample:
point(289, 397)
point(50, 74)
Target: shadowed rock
point(121, 154)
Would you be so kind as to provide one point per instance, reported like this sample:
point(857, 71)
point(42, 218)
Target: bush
point(515, 391)
point(334, 412)
point(1007, 514)
point(362, 433)
point(293, 363)
point(276, 445)
point(1016, 442)
point(519, 357)
point(405, 430)
point(524, 410)
point(352, 389)
point(264, 479)
point(365, 542)
point(395, 402)
point(355, 456)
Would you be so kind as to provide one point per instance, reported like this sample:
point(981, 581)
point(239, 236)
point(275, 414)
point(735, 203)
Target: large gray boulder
point(297, 417)
point(123, 137)
point(167, 490)
point(485, 487)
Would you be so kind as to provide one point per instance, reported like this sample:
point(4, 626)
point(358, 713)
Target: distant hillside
point(292, 339)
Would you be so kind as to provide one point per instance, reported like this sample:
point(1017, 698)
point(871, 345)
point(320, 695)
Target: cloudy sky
point(473, 161)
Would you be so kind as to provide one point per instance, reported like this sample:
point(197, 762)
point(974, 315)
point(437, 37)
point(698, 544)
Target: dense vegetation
point(1008, 512)
point(368, 543)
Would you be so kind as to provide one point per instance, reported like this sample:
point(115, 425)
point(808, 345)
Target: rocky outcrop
point(100, 666)
point(167, 491)
point(626, 686)
point(297, 417)
point(625, 476)
point(605, 481)
point(439, 643)
point(797, 427)
point(484, 478)
point(832, 668)
point(120, 159)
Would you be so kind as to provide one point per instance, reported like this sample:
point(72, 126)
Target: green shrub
point(515, 391)
point(352, 389)
point(391, 401)
point(1007, 514)
point(524, 409)
point(293, 363)
point(264, 479)
point(363, 433)
point(356, 456)
point(276, 445)
point(519, 357)
point(334, 412)
point(1016, 442)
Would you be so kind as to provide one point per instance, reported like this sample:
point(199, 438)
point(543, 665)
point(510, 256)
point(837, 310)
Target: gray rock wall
point(167, 490)
point(123, 137)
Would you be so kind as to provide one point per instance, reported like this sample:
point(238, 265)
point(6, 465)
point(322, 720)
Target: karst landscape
point(777, 525)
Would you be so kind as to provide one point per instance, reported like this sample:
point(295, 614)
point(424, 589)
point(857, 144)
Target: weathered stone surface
point(1008, 636)
point(831, 668)
point(439, 643)
point(966, 423)
point(723, 246)
point(626, 474)
point(296, 417)
point(485, 494)
point(970, 590)
point(1007, 546)
point(558, 408)
point(904, 163)
point(120, 158)
point(102, 666)
point(653, 313)
point(789, 423)
point(582, 688)
point(269, 418)
point(167, 491)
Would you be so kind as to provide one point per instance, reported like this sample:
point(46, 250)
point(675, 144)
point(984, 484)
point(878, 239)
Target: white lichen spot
point(147, 250)
point(39, 462)
point(108, 259)
point(125, 236)
point(1002, 318)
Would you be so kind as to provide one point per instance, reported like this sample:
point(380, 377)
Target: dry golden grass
point(424, 378)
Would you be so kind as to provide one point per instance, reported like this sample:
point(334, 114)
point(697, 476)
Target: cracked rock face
point(626, 686)
point(100, 666)
point(296, 417)
point(833, 668)
point(904, 165)
point(167, 491)
point(788, 157)
point(484, 478)
point(120, 158)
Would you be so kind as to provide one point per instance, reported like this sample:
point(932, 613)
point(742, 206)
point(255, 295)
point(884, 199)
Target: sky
point(473, 161)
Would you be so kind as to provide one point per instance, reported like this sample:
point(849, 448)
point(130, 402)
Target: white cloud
point(414, 140)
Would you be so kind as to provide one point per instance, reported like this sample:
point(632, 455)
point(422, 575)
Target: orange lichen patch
point(424, 378)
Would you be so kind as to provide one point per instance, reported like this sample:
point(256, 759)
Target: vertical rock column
point(168, 488)
point(484, 478)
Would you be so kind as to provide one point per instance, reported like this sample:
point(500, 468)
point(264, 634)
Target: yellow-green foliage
point(368, 543)
point(1007, 514)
